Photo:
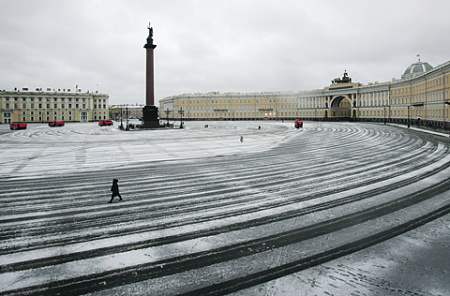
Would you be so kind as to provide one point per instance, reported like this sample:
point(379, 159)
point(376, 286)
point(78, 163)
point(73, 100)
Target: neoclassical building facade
point(49, 105)
point(421, 96)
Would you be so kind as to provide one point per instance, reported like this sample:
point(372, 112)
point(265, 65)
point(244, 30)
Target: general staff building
point(421, 96)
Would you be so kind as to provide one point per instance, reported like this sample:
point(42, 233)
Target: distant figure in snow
point(242, 139)
point(115, 190)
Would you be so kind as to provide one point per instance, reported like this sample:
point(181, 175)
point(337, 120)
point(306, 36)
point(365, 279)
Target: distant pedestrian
point(115, 190)
point(242, 139)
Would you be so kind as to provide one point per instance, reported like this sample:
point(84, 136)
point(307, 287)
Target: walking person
point(115, 190)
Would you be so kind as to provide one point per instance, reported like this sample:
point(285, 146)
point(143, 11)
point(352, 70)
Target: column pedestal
point(151, 119)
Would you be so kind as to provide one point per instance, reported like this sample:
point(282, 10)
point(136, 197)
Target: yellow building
point(420, 97)
point(49, 105)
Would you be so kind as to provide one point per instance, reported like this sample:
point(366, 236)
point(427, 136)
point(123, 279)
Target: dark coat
point(115, 188)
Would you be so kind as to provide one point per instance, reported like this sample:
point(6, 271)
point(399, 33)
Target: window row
point(31, 99)
point(20, 106)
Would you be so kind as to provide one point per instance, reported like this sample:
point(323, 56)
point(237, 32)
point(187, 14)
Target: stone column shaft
point(150, 78)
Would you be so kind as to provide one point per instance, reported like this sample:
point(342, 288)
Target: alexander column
point(150, 111)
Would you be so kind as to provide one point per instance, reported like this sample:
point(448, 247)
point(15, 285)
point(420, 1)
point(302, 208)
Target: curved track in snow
point(217, 223)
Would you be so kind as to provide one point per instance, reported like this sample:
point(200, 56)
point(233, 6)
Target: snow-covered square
point(232, 207)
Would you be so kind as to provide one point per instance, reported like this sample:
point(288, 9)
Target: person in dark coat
point(115, 190)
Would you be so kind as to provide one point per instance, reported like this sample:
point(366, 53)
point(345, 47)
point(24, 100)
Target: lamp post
point(408, 118)
point(121, 117)
point(128, 126)
point(181, 113)
point(167, 115)
point(445, 117)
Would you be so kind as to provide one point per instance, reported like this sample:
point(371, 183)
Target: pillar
point(150, 111)
point(150, 74)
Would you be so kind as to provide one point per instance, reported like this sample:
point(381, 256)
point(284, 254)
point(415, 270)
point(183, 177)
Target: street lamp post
point(181, 120)
point(121, 117)
point(445, 117)
point(167, 115)
point(409, 124)
point(128, 126)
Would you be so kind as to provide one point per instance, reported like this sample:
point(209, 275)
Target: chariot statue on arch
point(344, 79)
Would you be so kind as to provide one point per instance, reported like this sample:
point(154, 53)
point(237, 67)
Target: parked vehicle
point(17, 126)
point(298, 123)
point(105, 123)
point(56, 123)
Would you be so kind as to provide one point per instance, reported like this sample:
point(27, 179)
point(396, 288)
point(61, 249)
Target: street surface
point(330, 209)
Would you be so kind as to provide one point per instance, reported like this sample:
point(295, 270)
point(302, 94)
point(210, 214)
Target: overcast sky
point(208, 45)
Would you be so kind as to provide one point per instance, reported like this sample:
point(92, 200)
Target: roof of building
point(416, 69)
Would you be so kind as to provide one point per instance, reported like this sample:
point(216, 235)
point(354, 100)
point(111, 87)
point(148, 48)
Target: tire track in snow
point(237, 189)
point(256, 200)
